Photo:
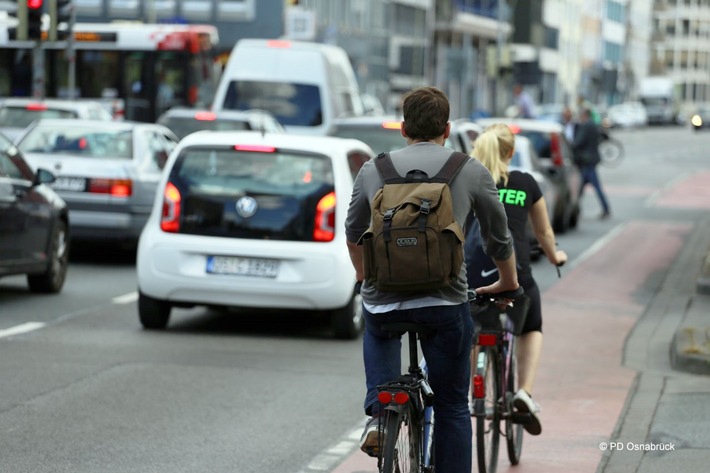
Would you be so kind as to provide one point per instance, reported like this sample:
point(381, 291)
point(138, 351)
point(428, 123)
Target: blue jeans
point(589, 176)
point(447, 353)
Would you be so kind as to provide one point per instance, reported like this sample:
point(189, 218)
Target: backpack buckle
point(425, 208)
point(388, 214)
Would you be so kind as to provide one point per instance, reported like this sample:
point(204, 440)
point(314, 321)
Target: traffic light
point(61, 12)
point(35, 9)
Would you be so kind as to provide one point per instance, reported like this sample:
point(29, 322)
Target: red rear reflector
point(278, 43)
point(401, 397)
point(206, 116)
point(392, 125)
point(385, 397)
point(487, 339)
point(479, 388)
point(36, 106)
point(324, 228)
point(170, 219)
point(255, 148)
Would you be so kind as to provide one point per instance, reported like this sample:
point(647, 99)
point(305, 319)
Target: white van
point(304, 85)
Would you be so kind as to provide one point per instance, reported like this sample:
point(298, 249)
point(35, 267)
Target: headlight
point(696, 120)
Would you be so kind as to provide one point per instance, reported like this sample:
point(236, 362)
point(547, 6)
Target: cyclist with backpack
point(402, 203)
point(522, 200)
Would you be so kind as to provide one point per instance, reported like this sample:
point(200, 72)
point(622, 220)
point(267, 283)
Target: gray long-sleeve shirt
point(472, 189)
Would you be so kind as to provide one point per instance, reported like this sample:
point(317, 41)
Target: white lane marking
point(597, 245)
point(22, 328)
point(338, 452)
point(126, 298)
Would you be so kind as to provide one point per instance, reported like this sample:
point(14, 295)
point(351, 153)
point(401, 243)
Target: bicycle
point(408, 416)
point(495, 378)
point(611, 150)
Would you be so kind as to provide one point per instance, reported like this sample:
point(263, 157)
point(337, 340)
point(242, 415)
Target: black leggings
point(533, 321)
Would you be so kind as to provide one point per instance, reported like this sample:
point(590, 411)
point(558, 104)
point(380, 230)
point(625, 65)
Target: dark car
point(555, 152)
point(34, 223)
point(383, 133)
point(183, 121)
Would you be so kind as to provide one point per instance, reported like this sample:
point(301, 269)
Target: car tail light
point(556, 150)
point(206, 116)
point(392, 125)
point(170, 219)
point(324, 229)
point(487, 339)
point(479, 387)
point(278, 43)
point(514, 129)
point(114, 187)
point(255, 148)
point(36, 107)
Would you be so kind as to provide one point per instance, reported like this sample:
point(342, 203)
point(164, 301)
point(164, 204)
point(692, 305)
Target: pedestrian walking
point(523, 102)
point(586, 156)
point(446, 310)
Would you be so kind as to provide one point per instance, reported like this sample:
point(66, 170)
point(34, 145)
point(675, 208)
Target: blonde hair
point(492, 148)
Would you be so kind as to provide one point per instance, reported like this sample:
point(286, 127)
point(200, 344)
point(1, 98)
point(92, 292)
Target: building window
point(242, 10)
point(612, 52)
point(552, 37)
point(615, 11)
point(197, 9)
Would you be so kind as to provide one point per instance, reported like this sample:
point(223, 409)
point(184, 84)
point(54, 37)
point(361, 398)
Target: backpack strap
point(451, 168)
point(389, 174)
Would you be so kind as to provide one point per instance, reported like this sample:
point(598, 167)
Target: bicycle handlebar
point(496, 298)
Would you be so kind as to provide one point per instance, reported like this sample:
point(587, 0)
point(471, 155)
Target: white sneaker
point(524, 403)
point(370, 441)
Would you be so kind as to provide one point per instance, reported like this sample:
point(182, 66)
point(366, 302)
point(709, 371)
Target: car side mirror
point(42, 176)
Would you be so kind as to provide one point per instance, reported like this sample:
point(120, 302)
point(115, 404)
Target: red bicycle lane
point(581, 384)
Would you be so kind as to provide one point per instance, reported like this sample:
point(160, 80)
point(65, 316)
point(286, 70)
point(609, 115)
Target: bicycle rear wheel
point(611, 152)
point(513, 431)
point(402, 447)
point(487, 411)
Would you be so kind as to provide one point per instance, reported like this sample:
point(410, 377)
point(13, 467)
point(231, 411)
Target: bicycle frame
point(419, 401)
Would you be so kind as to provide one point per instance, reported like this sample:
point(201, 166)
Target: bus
point(148, 68)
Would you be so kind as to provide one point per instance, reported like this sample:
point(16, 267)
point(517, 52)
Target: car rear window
point(21, 117)
point(291, 104)
point(269, 195)
point(79, 141)
point(377, 137)
point(541, 141)
point(183, 126)
point(226, 170)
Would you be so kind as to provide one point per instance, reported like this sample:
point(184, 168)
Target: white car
point(627, 115)
point(243, 219)
point(17, 113)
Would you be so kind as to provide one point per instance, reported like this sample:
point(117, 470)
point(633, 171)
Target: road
point(87, 390)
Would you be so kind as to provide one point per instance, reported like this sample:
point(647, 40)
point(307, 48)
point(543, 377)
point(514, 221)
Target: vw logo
point(246, 207)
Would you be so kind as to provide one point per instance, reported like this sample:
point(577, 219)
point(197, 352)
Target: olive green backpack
point(414, 242)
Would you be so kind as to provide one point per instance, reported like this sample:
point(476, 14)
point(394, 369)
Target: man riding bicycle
point(446, 310)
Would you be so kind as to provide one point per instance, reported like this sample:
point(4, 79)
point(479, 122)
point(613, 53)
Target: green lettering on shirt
point(512, 197)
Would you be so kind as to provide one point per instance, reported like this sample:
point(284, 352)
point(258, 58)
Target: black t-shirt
point(518, 198)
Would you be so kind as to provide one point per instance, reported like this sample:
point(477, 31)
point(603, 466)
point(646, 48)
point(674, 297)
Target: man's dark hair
point(426, 113)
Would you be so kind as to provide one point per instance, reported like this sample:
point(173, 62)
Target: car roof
point(321, 144)
point(233, 114)
point(523, 123)
point(367, 120)
point(54, 103)
point(65, 122)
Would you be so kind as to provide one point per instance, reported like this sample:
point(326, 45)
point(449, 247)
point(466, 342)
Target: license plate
point(258, 267)
point(73, 184)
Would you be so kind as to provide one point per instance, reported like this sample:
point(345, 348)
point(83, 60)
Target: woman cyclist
point(494, 149)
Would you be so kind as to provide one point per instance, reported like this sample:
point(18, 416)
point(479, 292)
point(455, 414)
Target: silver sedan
point(107, 172)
